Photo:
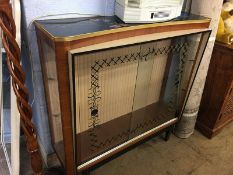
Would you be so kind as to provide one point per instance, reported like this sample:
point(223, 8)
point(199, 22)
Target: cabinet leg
point(168, 134)
point(87, 172)
point(54, 171)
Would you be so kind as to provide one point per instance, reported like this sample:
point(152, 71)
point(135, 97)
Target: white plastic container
point(144, 11)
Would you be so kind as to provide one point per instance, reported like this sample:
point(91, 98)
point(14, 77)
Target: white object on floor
point(145, 11)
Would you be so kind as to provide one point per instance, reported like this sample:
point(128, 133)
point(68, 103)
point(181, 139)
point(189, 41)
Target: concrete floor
point(194, 156)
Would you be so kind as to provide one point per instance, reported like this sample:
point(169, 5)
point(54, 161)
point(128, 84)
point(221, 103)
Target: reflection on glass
point(123, 92)
point(54, 101)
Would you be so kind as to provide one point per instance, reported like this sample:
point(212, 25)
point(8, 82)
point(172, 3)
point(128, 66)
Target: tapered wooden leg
point(54, 171)
point(168, 134)
point(87, 172)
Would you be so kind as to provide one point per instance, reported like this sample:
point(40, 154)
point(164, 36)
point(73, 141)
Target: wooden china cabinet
point(216, 110)
point(110, 85)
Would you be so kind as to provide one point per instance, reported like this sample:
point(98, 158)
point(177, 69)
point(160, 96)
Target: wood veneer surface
point(217, 97)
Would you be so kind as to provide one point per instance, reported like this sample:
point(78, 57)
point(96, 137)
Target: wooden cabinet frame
point(64, 47)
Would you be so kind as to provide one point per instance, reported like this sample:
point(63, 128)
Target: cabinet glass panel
point(121, 93)
point(53, 99)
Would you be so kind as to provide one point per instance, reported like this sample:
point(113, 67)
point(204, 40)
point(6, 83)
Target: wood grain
point(217, 92)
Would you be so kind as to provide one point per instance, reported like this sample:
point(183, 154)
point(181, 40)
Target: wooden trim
point(152, 28)
point(223, 45)
point(135, 40)
point(65, 105)
point(204, 129)
point(220, 127)
point(208, 132)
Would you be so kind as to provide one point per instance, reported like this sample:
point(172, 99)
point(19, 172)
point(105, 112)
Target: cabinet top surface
point(223, 45)
point(85, 27)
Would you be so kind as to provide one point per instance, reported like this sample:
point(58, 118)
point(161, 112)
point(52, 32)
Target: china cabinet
point(110, 85)
point(216, 110)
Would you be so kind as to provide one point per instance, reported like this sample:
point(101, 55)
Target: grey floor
point(194, 156)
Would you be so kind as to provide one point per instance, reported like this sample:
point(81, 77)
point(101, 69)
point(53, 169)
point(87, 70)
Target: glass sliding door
point(122, 93)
